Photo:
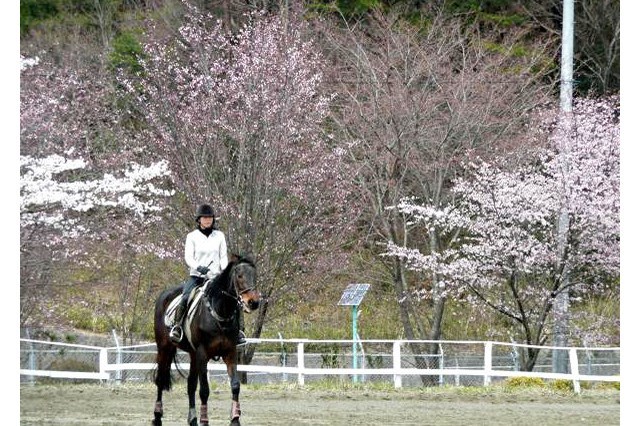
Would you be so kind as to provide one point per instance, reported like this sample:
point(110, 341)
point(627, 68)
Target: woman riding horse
point(210, 332)
point(205, 252)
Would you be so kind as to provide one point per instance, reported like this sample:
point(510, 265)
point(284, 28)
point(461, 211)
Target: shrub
point(331, 359)
point(34, 11)
point(80, 317)
point(85, 319)
point(562, 385)
point(524, 382)
point(126, 53)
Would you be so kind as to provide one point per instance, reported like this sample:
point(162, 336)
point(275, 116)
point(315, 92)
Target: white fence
point(401, 362)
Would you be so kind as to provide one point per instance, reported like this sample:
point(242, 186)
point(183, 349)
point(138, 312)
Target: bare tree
point(414, 103)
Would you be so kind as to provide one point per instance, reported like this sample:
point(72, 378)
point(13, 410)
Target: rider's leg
point(176, 331)
point(241, 339)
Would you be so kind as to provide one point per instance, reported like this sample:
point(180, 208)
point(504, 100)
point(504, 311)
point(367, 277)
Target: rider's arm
point(190, 252)
point(224, 261)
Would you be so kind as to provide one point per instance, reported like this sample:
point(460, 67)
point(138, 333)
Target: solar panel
point(353, 294)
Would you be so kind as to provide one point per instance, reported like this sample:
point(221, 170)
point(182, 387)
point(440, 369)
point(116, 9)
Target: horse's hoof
point(156, 422)
point(235, 422)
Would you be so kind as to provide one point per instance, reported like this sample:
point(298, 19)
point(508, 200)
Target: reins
point(215, 315)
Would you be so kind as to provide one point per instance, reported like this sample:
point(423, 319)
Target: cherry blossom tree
point(240, 117)
point(64, 216)
point(45, 200)
point(505, 253)
point(85, 196)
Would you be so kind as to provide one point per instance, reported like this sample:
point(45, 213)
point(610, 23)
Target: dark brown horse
point(211, 330)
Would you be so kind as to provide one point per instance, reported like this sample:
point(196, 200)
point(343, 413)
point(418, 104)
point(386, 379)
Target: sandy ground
point(129, 404)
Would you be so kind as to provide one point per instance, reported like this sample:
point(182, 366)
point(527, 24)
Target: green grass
point(497, 392)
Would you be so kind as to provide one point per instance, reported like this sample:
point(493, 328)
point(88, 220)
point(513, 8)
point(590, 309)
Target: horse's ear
point(250, 257)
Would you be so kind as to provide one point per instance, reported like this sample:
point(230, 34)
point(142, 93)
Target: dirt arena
point(128, 404)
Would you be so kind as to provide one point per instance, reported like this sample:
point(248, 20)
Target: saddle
point(192, 303)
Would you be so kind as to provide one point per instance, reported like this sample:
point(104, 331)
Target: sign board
point(353, 294)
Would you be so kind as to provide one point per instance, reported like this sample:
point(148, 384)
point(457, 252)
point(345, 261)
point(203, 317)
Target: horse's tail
point(162, 378)
point(166, 351)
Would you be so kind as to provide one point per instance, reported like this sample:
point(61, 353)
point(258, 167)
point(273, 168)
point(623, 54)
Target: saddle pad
point(192, 303)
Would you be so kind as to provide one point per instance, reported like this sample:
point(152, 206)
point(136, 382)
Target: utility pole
point(566, 71)
point(560, 358)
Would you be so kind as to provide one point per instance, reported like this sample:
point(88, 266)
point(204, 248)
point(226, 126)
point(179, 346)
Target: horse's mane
point(223, 277)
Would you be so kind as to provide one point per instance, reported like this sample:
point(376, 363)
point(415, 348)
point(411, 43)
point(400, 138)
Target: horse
point(210, 332)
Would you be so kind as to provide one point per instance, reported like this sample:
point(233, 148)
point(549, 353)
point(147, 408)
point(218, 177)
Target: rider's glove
point(202, 269)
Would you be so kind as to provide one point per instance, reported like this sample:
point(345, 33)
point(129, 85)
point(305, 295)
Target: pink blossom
point(506, 252)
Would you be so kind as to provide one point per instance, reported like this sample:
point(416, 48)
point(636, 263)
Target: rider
point(205, 252)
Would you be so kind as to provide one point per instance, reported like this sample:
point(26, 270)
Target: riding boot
point(176, 332)
point(241, 339)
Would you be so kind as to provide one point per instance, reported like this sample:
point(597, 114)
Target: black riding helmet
point(205, 210)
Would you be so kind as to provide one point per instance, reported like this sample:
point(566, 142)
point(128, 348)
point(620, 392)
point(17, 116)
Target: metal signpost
point(352, 296)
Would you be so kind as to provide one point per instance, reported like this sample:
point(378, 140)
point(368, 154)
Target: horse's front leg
point(232, 371)
point(192, 383)
point(202, 360)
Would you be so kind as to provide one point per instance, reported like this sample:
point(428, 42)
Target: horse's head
point(243, 279)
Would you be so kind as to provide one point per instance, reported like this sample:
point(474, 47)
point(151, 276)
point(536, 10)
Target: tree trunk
point(247, 352)
point(412, 326)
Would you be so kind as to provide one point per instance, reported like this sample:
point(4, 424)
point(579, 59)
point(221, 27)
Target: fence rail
point(401, 362)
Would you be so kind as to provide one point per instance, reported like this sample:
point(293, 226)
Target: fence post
point(32, 360)
point(441, 364)
point(488, 351)
point(573, 362)
point(104, 361)
point(457, 376)
point(301, 363)
point(397, 365)
point(283, 357)
point(118, 356)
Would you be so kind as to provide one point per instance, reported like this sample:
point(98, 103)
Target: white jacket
point(211, 251)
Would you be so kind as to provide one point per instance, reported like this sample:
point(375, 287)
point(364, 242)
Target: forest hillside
point(416, 146)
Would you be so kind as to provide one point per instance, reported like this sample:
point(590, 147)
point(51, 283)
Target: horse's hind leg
point(157, 411)
point(164, 358)
point(192, 383)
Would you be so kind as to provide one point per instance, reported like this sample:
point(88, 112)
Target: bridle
point(237, 297)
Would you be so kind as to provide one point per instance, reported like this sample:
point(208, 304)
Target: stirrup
point(241, 339)
point(176, 334)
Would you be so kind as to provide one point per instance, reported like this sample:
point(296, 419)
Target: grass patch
point(524, 382)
